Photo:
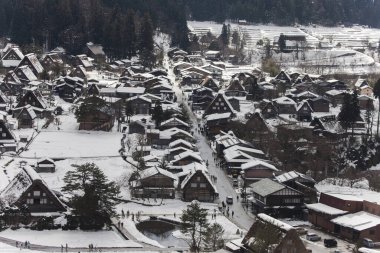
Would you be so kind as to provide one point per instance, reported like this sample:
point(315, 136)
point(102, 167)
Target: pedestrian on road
point(122, 224)
point(66, 247)
point(237, 197)
point(232, 214)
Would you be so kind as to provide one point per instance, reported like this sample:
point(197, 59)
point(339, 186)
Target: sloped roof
point(266, 187)
point(193, 172)
point(155, 170)
point(35, 62)
point(322, 208)
point(180, 141)
point(254, 163)
point(288, 176)
point(186, 154)
point(29, 110)
point(175, 120)
point(358, 221)
point(96, 49)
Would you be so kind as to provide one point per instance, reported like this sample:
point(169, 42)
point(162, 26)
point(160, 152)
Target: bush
point(270, 66)
point(72, 223)
point(44, 223)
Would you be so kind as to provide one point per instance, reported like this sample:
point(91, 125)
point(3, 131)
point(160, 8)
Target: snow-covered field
point(56, 238)
point(59, 144)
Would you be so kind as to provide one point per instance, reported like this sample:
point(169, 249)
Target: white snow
point(74, 238)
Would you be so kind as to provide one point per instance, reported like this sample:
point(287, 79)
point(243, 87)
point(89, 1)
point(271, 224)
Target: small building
point(321, 215)
point(174, 122)
point(336, 96)
point(28, 189)
point(355, 226)
point(51, 61)
point(366, 102)
point(320, 104)
point(33, 63)
point(285, 105)
point(24, 75)
point(45, 165)
point(12, 57)
point(136, 127)
point(79, 71)
point(26, 117)
point(300, 182)
point(181, 143)
point(197, 185)
point(139, 105)
point(220, 104)
point(255, 170)
point(276, 199)
point(8, 141)
point(154, 182)
point(186, 158)
point(95, 51)
point(304, 111)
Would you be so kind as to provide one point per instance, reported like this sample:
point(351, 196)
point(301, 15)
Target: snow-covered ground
point(59, 144)
point(73, 238)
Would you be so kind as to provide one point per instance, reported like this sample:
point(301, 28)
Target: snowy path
point(241, 218)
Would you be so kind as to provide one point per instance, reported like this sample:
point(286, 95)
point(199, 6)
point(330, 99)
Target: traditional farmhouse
point(198, 186)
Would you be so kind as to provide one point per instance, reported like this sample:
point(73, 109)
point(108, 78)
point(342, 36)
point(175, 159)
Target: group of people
point(21, 245)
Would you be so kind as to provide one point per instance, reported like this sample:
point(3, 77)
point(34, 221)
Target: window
point(36, 193)
point(214, 107)
point(202, 185)
point(193, 185)
point(43, 201)
point(269, 110)
point(29, 201)
point(29, 194)
point(198, 179)
point(44, 194)
point(225, 108)
point(4, 134)
point(216, 103)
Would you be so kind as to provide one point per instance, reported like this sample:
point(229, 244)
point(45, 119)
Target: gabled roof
point(361, 82)
point(173, 131)
point(29, 110)
point(15, 50)
point(27, 72)
point(266, 187)
point(284, 101)
point(174, 121)
point(35, 62)
point(96, 49)
point(255, 163)
point(154, 171)
point(186, 154)
point(193, 172)
point(304, 103)
point(21, 182)
point(322, 208)
point(289, 176)
point(180, 141)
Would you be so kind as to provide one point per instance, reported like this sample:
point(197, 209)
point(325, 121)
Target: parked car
point(301, 230)
point(313, 237)
point(229, 200)
point(329, 243)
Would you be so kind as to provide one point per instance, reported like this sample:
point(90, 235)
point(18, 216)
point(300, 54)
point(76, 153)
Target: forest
point(117, 23)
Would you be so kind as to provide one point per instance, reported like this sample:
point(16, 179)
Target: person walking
point(232, 214)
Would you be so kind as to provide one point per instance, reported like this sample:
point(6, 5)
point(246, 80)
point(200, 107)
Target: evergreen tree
point(93, 196)
point(224, 37)
point(376, 93)
point(146, 43)
point(350, 111)
point(194, 225)
point(158, 113)
point(281, 42)
point(130, 34)
point(214, 237)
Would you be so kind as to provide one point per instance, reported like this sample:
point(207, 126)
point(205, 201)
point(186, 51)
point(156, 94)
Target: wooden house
point(128, 92)
point(139, 105)
point(220, 104)
point(93, 90)
point(300, 182)
point(320, 104)
point(154, 182)
point(366, 90)
point(186, 158)
point(24, 74)
point(275, 199)
point(33, 63)
point(198, 186)
point(216, 72)
point(51, 61)
point(12, 57)
point(335, 96)
point(79, 71)
point(269, 111)
point(26, 117)
point(181, 143)
point(7, 139)
point(285, 105)
point(136, 127)
point(99, 118)
point(33, 98)
point(45, 165)
point(256, 170)
point(28, 189)
point(304, 111)
point(66, 91)
point(283, 237)
point(216, 122)
point(235, 89)
point(283, 76)
point(209, 82)
point(84, 60)
point(95, 51)
point(4, 101)
point(173, 152)
point(174, 122)
point(366, 102)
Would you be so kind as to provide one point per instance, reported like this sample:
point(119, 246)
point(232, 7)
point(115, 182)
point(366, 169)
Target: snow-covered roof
point(347, 197)
point(292, 175)
point(180, 141)
point(155, 170)
point(275, 222)
point(254, 163)
point(304, 103)
point(175, 120)
point(266, 186)
point(322, 208)
point(284, 101)
point(335, 92)
point(358, 221)
point(217, 116)
point(193, 172)
point(174, 130)
point(134, 90)
point(185, 155)
point(139, 97)
point(243, 149)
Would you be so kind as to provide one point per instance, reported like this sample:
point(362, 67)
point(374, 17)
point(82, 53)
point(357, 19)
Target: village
point(264, 156)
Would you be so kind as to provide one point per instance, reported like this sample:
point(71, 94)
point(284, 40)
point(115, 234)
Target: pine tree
point(194, 225)
point(214, 237)
point(130, 34)
point(157, 114)
point(350, 111)
point(376, 93)
point(281, 42)
point(93, 197)
point(225, 36)
point(146, 43)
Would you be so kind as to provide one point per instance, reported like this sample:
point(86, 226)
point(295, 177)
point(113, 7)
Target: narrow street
point(241, 217)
